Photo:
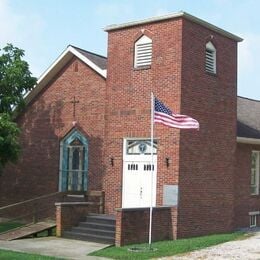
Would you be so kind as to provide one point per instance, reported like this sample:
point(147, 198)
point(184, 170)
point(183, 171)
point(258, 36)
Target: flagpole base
point(140, 249)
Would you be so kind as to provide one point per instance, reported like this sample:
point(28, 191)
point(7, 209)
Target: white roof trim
point(171, 16)
point(52, 66)
point(245, 140)
point(77, 54)
point(57, 65)
point(91, 64)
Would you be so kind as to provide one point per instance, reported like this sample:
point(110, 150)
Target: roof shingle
point(248, 118)
point(99, 60)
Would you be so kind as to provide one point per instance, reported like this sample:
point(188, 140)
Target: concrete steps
point(96, 228)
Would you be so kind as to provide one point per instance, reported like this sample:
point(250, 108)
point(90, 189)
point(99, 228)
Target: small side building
point(247, 201)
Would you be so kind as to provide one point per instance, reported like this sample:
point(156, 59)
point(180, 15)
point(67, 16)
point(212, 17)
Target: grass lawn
point(167, 248)
point(5, 226)
point(10, 255)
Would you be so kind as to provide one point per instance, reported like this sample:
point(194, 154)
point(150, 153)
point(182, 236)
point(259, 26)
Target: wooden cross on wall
point(74, 102)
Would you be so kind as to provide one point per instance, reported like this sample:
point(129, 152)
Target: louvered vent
point(210, 64)
point(143, 52)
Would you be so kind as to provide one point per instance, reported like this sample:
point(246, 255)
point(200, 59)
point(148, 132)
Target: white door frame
point(141, 160)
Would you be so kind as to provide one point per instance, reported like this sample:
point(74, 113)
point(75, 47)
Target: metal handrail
point(31, 200)
point(29, 214)
point(33, 210)
point(38, 205)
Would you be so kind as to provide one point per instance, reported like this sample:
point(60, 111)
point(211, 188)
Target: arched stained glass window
point(74, 161)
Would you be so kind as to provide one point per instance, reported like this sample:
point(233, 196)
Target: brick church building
point(86, 126)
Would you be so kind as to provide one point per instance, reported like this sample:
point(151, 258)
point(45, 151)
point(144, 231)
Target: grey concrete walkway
point(53, 246)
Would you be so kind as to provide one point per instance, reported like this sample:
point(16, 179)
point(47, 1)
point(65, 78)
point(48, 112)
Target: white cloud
point(161, 11)
point(114, 10)
point(9, 23)
point(221, 3)
point(24, 30)
point(249, 52)
point(248, 65)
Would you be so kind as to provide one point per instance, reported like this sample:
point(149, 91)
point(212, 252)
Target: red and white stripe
point(176, 121)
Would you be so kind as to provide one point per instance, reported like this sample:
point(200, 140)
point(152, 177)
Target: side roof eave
point(56, 66)
point(245, 140)
point(171, 16)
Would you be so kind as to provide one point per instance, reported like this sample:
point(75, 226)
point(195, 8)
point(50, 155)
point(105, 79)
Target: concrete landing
point(55, 247)
point(27, 230)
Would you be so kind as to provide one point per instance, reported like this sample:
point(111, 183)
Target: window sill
point(147, 67)
point(253, 227)
point(254, 195)
point(211, 74)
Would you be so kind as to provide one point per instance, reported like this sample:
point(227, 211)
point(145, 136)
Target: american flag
point(163, 115)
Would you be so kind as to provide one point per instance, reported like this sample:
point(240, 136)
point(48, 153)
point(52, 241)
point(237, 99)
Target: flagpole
point(152, 172)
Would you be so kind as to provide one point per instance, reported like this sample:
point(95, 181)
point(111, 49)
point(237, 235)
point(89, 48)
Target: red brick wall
point(128, 107)
point(70, 214)
point(132, 225)
point(207, 156)
point(45, 122)
point(202, 163)
point(244, 202)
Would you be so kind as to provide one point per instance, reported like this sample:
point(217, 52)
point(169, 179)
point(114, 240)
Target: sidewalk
point(53, 246)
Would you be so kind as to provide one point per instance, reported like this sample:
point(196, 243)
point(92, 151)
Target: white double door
point(139, 182)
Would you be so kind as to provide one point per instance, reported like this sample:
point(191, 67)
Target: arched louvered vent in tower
point(143, 52)
point(210, 62)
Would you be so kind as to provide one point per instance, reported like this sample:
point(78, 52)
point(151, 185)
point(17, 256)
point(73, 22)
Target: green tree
point(15, 81)
point(9, 146)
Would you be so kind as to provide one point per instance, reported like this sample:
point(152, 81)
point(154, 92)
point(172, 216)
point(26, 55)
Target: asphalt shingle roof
point(99, 60)
point(248, 118)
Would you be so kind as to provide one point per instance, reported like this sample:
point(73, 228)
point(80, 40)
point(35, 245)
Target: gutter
point(245, 140)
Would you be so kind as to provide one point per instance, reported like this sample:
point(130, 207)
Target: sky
point(44, 28)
